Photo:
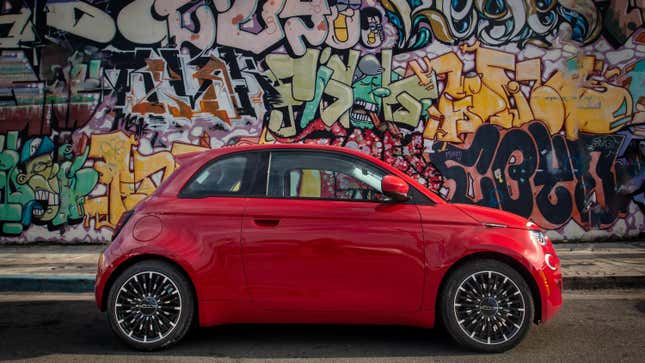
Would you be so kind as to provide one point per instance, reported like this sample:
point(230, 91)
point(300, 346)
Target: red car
point(314, 234)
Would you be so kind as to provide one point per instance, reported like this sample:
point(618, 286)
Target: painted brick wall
point(531, 106)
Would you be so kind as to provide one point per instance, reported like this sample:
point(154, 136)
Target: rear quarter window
point(231, 175)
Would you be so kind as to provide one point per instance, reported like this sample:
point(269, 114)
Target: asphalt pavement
point(593, 326)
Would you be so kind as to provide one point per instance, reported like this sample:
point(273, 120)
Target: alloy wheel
point(148, 307)
point(489, 307)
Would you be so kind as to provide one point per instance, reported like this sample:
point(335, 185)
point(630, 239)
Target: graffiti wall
point(531, 106)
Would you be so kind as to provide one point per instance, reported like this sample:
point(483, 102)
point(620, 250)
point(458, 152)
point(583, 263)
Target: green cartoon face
point(40, 174)
point(368, 100)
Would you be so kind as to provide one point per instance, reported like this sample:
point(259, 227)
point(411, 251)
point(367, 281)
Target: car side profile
point(320, 234)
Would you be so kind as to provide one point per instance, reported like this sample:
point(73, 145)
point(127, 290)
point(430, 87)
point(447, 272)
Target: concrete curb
point(47, 283)
point(603, 282)
point(85, 283)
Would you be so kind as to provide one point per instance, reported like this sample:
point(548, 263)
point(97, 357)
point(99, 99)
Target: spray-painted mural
point(534, 107)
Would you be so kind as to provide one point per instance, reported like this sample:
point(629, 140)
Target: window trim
point(266, 180)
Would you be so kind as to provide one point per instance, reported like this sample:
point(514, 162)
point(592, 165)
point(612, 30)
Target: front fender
point(468, 241)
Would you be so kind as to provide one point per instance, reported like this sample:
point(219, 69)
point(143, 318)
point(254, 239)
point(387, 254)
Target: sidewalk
point(602, 264)
point(72, 268)
point(42, 267)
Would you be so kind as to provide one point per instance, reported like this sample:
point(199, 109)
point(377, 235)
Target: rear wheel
point(487, 306)
point(150, 305)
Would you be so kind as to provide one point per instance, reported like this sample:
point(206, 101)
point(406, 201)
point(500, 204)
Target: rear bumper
point(98, 294)
point(99, 285)
point(104, 270)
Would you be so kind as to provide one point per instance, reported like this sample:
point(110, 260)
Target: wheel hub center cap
point(489, 306)
point(149, 306)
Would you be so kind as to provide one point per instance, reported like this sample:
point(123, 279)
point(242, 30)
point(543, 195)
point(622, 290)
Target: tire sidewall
point(187, 307)
point(446, 308)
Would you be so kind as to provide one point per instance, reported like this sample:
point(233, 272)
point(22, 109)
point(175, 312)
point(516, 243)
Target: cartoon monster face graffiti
point(368, 93)
point(40, 173)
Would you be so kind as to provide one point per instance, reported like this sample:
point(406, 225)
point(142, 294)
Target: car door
point(325, 239)
point(210, 209)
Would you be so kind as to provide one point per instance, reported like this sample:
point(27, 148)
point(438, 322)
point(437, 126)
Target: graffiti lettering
point(82, 19)
point(495, 23)
point(374, 97)
point(579, 99)
point(18, 32)
point(128, 175)
point(512, 169)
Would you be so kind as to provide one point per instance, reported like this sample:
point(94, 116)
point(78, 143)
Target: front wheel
point(487, 306)
point(150, 305)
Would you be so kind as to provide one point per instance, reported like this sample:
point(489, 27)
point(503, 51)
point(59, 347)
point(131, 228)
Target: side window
point(228, 176)
point(306, 174)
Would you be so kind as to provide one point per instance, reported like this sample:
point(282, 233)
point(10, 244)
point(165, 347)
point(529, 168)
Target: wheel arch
point(512, 262)
point(148, 257)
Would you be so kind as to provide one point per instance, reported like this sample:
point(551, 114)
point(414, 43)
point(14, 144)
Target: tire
point(487, 306)
point(151, 305)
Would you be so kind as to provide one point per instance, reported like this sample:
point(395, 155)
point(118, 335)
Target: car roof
point(229, 149)
point(209, 154)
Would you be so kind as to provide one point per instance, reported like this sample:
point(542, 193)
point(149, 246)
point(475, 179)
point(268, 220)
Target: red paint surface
point(317, 261)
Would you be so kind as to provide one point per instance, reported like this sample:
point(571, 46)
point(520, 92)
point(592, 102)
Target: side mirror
point(395, 188)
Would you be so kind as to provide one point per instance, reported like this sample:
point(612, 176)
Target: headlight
point(538, 237)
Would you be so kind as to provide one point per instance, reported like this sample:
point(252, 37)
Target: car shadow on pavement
point(31, 329)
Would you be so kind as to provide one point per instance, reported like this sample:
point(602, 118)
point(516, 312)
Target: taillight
point(122, 221)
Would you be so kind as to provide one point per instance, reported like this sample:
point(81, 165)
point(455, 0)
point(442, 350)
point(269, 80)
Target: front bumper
point(549, 282)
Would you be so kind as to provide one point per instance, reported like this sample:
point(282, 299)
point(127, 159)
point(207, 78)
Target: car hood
point(493, 217)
